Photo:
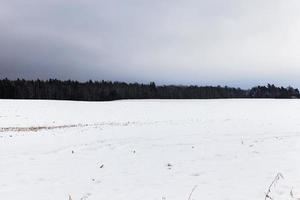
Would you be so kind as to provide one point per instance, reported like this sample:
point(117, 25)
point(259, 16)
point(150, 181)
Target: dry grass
point(272, 185)
point(39, 128)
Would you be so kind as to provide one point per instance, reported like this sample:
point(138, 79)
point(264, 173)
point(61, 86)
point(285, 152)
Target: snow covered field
point(149, 149)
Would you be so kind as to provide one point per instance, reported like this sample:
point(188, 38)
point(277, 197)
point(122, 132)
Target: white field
point(149, 149)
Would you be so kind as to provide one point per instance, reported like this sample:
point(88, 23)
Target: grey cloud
point(233, 42)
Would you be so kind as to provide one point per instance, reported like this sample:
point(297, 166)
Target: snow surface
point(149, 149)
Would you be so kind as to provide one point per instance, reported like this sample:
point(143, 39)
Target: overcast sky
point(238, 43)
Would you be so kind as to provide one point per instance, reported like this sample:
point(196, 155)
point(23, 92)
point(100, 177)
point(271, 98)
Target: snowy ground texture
point(149, 150)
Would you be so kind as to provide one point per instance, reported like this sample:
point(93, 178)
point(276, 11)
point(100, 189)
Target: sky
point(238, 43)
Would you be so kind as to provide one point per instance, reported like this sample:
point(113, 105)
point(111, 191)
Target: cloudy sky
point(206, 42)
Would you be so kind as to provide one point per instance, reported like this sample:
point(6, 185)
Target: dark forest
point(106, 91)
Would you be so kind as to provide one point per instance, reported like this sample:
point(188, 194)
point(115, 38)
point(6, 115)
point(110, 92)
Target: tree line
point(107, 90)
